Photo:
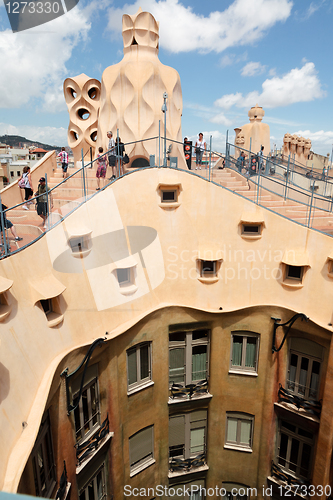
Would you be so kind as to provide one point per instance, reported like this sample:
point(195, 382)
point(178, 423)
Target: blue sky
point(230, 55)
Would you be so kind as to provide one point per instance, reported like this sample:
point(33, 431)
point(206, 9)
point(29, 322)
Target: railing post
point(285, 191)
point(227, 149)
point(210, 155)
point(258, 185)
point(47, 204)
point(4, 239)
point(83, 176)
point(310, 210)
point(159, 143)
point(118, 156)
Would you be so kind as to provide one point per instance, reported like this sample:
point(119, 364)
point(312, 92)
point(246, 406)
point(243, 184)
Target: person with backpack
point(25, 183)
point(42, 192)
point(63, 155)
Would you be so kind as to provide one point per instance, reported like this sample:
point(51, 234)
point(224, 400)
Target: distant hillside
point(17, 141)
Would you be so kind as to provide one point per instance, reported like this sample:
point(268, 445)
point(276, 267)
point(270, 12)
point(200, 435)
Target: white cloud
point(48, 135)
point(33, 62)
point(252, 69)
point(319, 139)
point(221, 119)
point(299, 85)
point(182, 30)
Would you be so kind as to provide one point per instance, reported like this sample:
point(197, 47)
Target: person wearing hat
point(42, 193)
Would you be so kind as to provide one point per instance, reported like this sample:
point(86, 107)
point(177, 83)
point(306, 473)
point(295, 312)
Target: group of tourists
point(116, 159)
point(256, 162)
point(199, 149)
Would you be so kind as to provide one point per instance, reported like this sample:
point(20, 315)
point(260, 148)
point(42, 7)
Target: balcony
point(310, 406)
point(187, 465)
point(187, 392)
point(87, 449)
point(277, 473)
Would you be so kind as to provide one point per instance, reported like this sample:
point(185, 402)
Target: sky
point(230, 55)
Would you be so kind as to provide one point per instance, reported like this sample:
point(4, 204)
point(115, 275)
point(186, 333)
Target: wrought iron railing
point(62, 484)
point(286, 396)
point(186, 464)
point(279, 473)
point(190, 390)
point(85, 449)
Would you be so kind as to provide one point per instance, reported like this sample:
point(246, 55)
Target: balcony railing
point(62, 484)
point(190, 390)
point(313, 407)
point(279, 473)
point(186, 464)
point(85, 449)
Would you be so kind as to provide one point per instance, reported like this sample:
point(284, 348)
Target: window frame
point(311, 359)
point(239, 417)
point(253, 225)
point(44, 441)
point(93, 479)
point(147, 460)
point(289, 276)
point(188, 427)
point(188, 345)
point(140, 383)
point(79, 411)
point(301, 440)
point(170, 190)
point(244, 369)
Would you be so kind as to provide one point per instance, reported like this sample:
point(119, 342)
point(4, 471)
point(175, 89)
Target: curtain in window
point(197, 441)
point(177, 368)
point(199, 358)
point(245, 437)
point(237, 346)
point(131, 364)
point(303, 376)
point(250, 357)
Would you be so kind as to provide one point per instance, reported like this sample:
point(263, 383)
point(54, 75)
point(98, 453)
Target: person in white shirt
point(200, 148)
point(112, 155)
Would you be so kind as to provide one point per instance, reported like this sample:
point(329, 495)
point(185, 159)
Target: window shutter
point(131, 366)
point(141, 445)
point(177, 430)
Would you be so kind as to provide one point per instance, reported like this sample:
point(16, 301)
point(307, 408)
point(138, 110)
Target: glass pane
point(303, 376)
point(237, 348)
point(245, 437)
point(200, 335)
point(250, 357)
point(83, 495)
point(177, 337)
point(199, 358)
point(91, 494)
point(123, 276)
point(41, 469)
point(232, 430)
point(144, 362)
point(314, 382)
point(305, 460)
point(293, 455)
point(288, 426)
point(94, 403)
point(100, 485)
point(292, 372)
point(283, 449)
point(131, 364)
point(197, 441)
point(85, 411)
point(177, 368)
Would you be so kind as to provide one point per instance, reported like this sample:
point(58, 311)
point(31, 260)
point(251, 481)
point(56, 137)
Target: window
point(295, 447)
point(96, 487)
point(304, 368)
point(188, 434)
point(294, 272)
point(141, 450)
point(46, 305)
point(87, 414)
point(169, 196)
point(79, 244)
point(11, 173)
point(244, 352)
point(124, 276)
point(139, 366)
point(194, 490)
point(251, 229)
point(208, 268)
point(188, 356)
point(239, 430)
point(42, 461)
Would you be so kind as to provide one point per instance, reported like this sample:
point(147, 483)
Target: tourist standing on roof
point(200, 148)
point(26, 183)
point(261, 158)
point(112, 155)
point(42, 193)
point(187, 152)
point(240, 162)
point(63, 155)
point(9, 225)
point(101, 167)
point(120, 150)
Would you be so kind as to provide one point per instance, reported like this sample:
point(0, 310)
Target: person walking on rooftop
point(120, 150)
point(63, 155)
point(112, 155)
point(42, 193)
point(26, 182)
point(261, 159)
point(101, 167)
point(200, 148)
